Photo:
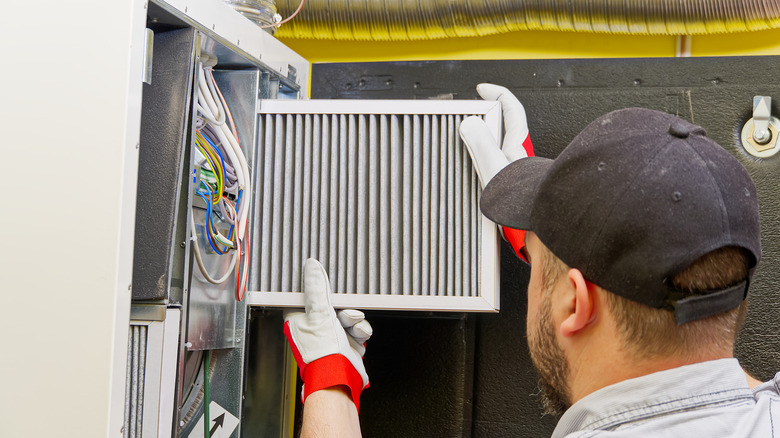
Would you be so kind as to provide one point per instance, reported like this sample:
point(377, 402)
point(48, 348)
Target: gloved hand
point(485, 153)
point(328, 347)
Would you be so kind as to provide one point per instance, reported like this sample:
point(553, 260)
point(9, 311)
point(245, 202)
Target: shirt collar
point(638, 398)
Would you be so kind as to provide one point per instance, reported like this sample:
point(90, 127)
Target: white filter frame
point(487, 296)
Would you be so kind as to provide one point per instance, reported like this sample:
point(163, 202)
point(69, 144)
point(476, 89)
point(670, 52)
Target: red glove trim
point(294, 348)
point(326, 372)
point(528, 146)
point(330, 371)
point(516, 238)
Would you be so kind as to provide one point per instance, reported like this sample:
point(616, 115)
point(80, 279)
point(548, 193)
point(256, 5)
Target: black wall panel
point(160, 218)
point(560, 97)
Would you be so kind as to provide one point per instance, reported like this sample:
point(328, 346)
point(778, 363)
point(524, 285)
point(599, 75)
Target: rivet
point(602, 166)
point(676, 196)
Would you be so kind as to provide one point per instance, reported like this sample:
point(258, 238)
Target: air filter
point(383, 194)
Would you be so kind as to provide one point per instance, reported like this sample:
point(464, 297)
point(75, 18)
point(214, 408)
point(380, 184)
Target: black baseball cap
point(635, 198)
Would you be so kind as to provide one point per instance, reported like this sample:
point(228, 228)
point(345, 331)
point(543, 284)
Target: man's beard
point(550, 362)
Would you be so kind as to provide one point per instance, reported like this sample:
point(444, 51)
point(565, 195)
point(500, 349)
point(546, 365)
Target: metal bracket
point(760, 133)
point(148, 56)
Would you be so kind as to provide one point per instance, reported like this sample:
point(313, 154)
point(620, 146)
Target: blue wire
point(208, 220)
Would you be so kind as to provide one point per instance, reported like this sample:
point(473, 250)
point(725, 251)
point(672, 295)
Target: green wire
point(207, 394)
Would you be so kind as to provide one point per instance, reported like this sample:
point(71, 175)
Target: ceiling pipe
point(394, 20)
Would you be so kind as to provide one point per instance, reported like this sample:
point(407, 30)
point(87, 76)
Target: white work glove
point(488, 158)
point(328, 347)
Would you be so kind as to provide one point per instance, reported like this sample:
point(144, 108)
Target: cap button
point(677, 129)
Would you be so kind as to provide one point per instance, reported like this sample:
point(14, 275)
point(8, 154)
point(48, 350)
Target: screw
point(183, 244)
point(238, 340)
point(188, 344)
point(761, 136)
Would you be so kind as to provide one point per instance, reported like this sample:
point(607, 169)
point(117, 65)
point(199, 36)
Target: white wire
point(214, 108)
point(242, 173)
point(209, 103)
point(236, 155)
point(199, 260)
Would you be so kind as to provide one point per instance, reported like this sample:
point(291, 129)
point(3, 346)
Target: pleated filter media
point(383, 194)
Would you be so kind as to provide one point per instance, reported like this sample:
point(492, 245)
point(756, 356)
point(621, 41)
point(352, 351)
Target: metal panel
point(394, 218)
point(213, 312)
point(236, 41)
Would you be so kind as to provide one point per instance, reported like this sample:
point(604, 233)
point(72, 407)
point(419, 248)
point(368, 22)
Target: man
point(642, 237)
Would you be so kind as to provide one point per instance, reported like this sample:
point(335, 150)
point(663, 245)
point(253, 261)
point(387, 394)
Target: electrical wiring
point(242, 275)
point(202, 266)
point(223, 182)
point(300, 6)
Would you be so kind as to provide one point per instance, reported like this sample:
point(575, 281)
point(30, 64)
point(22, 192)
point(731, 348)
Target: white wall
point(69, 122)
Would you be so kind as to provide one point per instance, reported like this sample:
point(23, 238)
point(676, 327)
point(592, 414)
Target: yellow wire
point(219, 173)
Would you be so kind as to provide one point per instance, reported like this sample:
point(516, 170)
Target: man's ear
point(581, 309)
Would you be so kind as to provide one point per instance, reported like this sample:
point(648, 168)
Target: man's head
point(641, 205)
point(643, 333)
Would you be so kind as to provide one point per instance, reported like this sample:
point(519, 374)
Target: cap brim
point(508, 198)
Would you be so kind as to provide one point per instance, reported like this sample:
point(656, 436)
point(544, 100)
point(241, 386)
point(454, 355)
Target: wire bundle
point(224, 180)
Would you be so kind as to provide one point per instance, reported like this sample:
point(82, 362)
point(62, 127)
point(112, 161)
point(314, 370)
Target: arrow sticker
point(217, 423)
point(223, 423)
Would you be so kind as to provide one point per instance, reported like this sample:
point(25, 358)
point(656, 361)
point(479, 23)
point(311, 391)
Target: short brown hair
point(648, 332)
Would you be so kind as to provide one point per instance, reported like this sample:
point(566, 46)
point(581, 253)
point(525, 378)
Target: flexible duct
point(385, 20)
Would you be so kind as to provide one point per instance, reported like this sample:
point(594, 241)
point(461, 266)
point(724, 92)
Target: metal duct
point(423, 20)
